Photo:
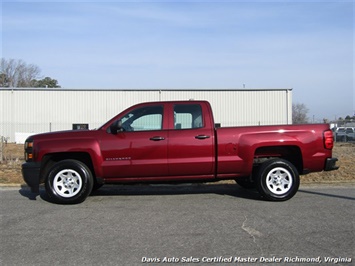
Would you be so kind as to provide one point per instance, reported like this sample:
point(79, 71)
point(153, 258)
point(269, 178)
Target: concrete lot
point(183, 225)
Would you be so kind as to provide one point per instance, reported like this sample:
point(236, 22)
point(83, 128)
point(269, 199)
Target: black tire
point(277, 180)
point(69, 182)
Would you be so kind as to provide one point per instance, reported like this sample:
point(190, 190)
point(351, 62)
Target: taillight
point(28, 150)
point(328, 139)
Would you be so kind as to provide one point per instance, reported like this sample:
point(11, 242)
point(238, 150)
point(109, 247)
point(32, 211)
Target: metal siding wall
point(5, 115)
point(36, 111)
point(241, 108)
point(117, 101)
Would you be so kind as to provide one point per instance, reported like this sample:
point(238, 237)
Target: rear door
point(191, 141)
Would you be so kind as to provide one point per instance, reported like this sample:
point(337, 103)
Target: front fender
point(44, 148)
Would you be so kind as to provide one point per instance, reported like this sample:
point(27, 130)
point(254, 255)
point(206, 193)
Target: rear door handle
point(157, 138)
point(202, 137)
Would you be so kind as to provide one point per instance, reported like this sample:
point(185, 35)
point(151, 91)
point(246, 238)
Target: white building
point(26, 111)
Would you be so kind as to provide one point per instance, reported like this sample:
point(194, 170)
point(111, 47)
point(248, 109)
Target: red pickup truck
point(175, 142)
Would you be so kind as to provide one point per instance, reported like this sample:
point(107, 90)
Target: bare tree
point(16, 73)
point(299, 113)
point(7, 72)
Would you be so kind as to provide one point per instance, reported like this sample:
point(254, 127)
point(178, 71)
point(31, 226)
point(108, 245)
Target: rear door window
point(188, 116)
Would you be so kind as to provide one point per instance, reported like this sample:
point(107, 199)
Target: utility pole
point(1, 147)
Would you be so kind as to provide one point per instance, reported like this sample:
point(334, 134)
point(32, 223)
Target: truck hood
point(62, 135)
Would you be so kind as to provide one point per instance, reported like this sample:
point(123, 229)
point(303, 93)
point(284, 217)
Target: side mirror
point(116, 126)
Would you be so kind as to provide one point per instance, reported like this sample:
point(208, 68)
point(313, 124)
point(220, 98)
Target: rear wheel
point(69, 182)
point(277, 180)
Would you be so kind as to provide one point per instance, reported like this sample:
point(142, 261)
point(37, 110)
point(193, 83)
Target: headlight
point(29, 150)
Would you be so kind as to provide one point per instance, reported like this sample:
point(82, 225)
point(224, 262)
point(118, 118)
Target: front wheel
point(69, 182)
point(278, 180)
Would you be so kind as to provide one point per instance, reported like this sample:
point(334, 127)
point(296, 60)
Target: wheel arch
point(289, 153)
point(50, 159)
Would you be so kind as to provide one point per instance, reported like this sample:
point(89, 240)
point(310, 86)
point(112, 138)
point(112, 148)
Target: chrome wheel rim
point(67, 183)
point(279, 181)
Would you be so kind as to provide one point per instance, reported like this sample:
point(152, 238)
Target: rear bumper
point(31, 175)
point(330, 164)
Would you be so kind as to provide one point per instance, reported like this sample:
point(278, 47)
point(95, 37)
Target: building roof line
point(155, 90)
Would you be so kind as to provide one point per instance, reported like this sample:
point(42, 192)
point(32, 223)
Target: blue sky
point(307, 46)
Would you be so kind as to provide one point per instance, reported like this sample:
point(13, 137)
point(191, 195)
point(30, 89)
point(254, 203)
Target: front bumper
point(330, 164)
point(31, 175)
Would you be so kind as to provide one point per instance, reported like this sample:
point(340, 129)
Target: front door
point(139, 147)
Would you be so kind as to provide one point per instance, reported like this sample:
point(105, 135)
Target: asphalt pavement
point(179, 225)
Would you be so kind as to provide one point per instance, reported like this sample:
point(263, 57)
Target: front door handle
point(202, 137)
point(157, 138)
